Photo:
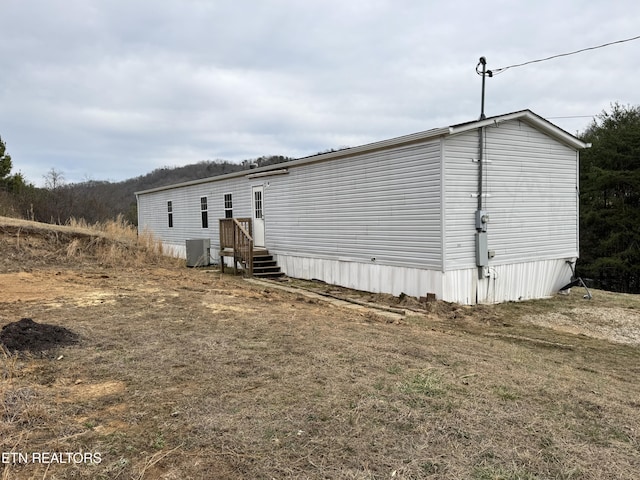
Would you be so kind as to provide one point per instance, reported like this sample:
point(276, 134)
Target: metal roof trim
point(524, 115)
point(414, 137)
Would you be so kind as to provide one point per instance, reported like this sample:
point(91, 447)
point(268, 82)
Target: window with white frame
point(228, 205)
point(170, 213)
point(257, 203)
point(204, 212)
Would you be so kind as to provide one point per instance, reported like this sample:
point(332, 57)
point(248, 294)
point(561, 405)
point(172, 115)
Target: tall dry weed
point(74, 248)
point(119, 228)
point(79, 223)
point(117, 242)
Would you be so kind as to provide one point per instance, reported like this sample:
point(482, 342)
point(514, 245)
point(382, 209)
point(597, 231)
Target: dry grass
point(9, 361)
point(185, 373)
point(125, 243)
point(111, 243)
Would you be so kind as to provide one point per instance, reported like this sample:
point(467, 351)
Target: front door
point(257, 202)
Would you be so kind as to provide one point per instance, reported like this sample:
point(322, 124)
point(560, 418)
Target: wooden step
point(275, 274)
point(264, 265)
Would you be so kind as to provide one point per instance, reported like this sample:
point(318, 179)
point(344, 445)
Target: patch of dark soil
point(26, 335)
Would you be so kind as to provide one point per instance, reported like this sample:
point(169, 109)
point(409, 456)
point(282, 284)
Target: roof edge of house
point(529, 117)
point(524, 115)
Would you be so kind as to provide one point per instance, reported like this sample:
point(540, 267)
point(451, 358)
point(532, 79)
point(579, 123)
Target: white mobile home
point(480, 212)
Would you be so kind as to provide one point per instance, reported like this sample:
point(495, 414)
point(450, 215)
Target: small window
point(257, 197)
point(204, 212)
point(228, 206)
point(170, 213)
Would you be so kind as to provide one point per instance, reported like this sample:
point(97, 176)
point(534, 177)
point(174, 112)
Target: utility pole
point(483, 73)
point(481, 216)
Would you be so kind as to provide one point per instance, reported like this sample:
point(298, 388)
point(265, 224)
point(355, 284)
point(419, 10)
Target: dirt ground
point(183, 373)
point(25, 335)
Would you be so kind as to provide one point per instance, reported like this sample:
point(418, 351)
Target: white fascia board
point(280, 171)
point(279, 167)
point(527, 116)
point(392, 142)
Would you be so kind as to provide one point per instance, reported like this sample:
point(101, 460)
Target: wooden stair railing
point(235, 233)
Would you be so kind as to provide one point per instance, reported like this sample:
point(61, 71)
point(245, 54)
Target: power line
point(503, 69)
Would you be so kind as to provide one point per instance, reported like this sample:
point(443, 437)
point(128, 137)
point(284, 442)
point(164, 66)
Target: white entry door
point(257, 201)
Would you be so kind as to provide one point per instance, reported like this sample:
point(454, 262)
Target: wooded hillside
point(99, 201)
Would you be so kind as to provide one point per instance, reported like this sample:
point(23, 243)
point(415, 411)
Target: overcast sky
point(112, 89)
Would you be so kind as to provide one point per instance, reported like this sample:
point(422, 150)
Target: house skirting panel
point(172, 250)
point(180, 251)
point(513, 282)
point(370, 277)
point(505, 283)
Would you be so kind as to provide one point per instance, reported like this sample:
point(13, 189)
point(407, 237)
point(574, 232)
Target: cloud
point(113, 89)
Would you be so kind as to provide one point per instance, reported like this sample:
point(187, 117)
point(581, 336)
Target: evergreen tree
point(5, 161)
point(610, 200)
point(11, 183)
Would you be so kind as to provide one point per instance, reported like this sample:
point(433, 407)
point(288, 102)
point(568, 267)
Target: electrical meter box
point(482, 218)
point(482, 249)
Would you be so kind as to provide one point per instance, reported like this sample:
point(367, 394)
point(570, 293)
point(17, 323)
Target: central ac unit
point(198, 252)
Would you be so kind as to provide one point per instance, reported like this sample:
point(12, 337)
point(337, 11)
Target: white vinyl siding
point(399, 215)
point(530, 187)
point(461, 201)
point(187, 217)
point(533, 200)
point(379, 207)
